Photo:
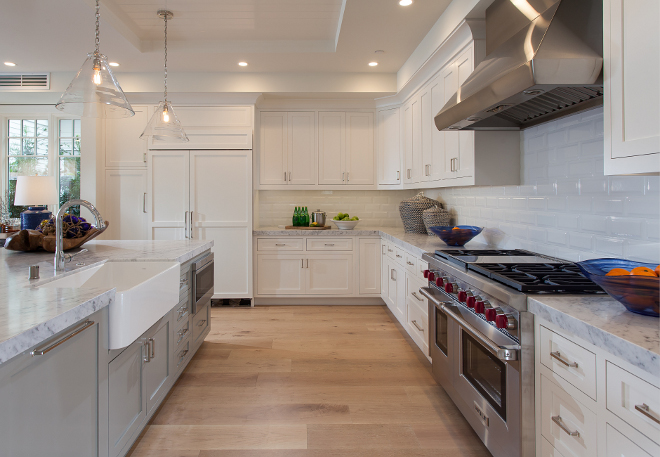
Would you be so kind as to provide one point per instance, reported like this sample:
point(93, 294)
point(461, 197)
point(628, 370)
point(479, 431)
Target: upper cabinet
point(632, 86)
point(123, 146)
point(433, 158)
point(389, 146)
point(287, 150)
point(324, 148)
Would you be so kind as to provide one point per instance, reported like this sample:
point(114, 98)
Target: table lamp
point(35, 192)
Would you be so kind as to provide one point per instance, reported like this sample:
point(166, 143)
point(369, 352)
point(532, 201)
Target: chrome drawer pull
point(417, 326)
point(280, 244)
point(646, 411)
point(183, 282)
point(416, 296)
point(389, 250)
point(80, 328)
point(182, 355)
point(399, 256)
point(329, 244)
point(557, 420)
point(201, 323)
point(409, 263)
point(557, 356)
point(182, 335)
point(152, 343)
point(147, 357)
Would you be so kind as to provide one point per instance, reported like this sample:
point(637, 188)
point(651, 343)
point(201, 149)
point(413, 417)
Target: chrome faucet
point(59, 236)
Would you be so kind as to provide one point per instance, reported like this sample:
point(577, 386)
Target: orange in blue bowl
point(456, 235)
point(638, 293)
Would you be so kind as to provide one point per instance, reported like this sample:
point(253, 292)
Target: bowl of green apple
point(344, 221)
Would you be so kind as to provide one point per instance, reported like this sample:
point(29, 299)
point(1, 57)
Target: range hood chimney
point(546, 62)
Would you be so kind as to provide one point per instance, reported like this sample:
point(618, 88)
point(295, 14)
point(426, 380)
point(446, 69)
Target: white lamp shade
point(36, 191)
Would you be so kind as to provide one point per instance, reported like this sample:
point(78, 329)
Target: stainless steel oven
point(202, 281)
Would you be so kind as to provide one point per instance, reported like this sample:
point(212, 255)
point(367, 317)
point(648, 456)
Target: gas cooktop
point(464, 257)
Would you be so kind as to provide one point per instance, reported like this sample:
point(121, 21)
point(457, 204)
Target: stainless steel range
point(482, 336)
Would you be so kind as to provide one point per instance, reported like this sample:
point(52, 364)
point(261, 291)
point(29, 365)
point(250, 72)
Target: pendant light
point(95, 92)
point(164, 125)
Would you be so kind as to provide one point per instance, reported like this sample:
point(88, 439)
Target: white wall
point(374, 208)
point(565, 206)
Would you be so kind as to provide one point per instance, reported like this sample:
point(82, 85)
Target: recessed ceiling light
point(242, 64)
point(373, 64)
point(405, 2)
point(10, 64)
point(113, 64)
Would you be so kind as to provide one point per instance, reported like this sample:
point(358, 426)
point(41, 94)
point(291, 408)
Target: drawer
point(573, 363)
point(412, 291)
point(399, 255)
point(547, 450)
point(182, 310)
point(280, 244)
point(634, 400)
point(421, 266)
point(411, 263)
point(619, 445)
point(329, 244)
point(181, 333)
point(567, 424)
point(182, 354)
point(390, 251)
point(200, 323)
point(417, 326)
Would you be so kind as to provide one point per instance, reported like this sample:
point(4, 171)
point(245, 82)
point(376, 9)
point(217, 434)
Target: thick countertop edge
point(619, 347)
point(39, 333)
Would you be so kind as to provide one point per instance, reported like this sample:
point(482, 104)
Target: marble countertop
point(604, 322)
point(29, 315)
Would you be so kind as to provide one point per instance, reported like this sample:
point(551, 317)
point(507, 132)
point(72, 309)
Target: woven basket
point(411, 212)
point(433, 217)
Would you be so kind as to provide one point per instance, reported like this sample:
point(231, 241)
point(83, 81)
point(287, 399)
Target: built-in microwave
point(202, 281)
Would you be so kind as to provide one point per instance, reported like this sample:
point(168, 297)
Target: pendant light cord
point(97, 40)
point(165, 59)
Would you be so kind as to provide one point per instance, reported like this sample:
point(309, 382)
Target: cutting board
point(292, 227)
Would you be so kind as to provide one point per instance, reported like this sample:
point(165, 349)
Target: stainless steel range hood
point(547, 63)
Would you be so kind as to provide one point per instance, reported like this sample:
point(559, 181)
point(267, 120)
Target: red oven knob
point(501, 321)
point(462, 296)
point(439, 282)
point(479, 307)
point(426, 274)
point(431, 276)
point(471, 301)
point(490, 314)
point(449, 288)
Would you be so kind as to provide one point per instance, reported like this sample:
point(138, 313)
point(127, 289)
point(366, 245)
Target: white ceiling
point(295, 36)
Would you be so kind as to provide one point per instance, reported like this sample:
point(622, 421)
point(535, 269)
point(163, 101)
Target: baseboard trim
point(345, 301)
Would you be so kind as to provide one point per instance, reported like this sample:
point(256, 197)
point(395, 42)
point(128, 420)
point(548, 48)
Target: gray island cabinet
point(79, 398)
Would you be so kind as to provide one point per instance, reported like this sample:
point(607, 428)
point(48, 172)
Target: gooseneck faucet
point(59, 235)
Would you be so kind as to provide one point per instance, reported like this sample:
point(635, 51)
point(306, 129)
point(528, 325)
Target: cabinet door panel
point(389, 147)
point(329, 275)
point(385, 274)
point(449, 81)
point(50, 402)
point(332, 148)
point(125, 204)
point(157, 370)
point(370, 254)
point(396, 288)
point(301, 148)
point(359, 148)
point(168, 195)
point(280, 275)
point(408, 159)
point(232, 266)
point(273, 148)
point(126, 405)
point(465, 165)
point(427, 125)
point(438, 163)
point(123, 146)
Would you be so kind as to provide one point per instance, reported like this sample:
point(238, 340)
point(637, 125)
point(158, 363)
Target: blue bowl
point(456, 237)
point(639, 294)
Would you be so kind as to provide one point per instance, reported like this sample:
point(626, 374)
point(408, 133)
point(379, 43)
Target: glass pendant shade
point(95, 92)
point(164, 125)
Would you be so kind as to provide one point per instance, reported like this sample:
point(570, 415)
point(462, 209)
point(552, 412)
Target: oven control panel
point(496, 314)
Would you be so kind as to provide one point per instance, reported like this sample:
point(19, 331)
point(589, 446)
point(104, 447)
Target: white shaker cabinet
point(123, 146)
point(632, 86)
point(370, 271)
point(126, 204)
point(346, 148)
point(206, 195)
point(287, 154)
point(389, 147)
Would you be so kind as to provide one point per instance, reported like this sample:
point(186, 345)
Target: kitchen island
point(58, 373)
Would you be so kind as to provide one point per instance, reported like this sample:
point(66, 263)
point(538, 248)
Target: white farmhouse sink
point(145, 292)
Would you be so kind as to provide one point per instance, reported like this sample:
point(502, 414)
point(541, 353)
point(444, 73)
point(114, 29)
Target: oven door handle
point(504, 353)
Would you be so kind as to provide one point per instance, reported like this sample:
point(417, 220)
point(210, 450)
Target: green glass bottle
point(306, 224)
point(294, 219)
point(298, 216)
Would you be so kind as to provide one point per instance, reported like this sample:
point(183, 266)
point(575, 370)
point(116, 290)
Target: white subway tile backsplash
point(626, 227)
point(557, 237)
point(647, 205)
point(580, 241)
point(652, 229)
point(610, 246)
point(568, 221)
point(596, 224)
point(536, 203)
point(578, 204)
point(613, 206)
point(626, 185)
point(546, 220)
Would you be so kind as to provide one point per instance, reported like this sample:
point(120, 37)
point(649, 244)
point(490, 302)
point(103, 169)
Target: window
point(31, 152)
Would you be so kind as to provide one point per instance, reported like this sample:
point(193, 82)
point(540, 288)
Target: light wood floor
point(307, 381)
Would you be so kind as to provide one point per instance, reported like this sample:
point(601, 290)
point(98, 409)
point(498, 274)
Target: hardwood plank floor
point(307, 381)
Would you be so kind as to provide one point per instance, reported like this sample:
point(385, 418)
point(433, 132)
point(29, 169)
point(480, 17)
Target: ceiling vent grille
point(26, 81)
